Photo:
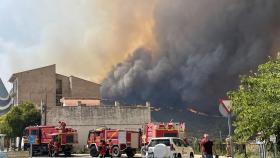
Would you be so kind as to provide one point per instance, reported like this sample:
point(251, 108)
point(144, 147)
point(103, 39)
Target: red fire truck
point(117, 141)
point(155, 130)
point(65, 138)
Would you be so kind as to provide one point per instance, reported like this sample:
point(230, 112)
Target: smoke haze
point(84, 38)
point(202, 47)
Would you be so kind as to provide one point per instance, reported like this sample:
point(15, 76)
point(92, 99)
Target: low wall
point(85, 118)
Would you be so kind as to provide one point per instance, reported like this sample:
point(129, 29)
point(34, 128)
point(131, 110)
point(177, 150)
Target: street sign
point(225, 110)
point(31, 139)
point(225, 107)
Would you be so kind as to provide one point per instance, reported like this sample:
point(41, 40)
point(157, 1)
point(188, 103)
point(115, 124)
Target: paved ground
point(124, 156)
point(2, 155)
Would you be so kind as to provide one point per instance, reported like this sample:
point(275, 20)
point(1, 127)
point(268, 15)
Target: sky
point(84, 38)
point(185, 52)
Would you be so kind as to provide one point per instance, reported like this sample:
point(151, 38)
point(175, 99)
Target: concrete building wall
point(85, 118)
point(66, 91)
point(40, 85)
point(36, 85)
point(83, 88)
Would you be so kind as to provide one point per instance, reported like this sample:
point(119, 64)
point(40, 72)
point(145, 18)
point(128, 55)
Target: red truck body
point(41, 133)
point(118, 141)
point(45, 134)
point(155, 130)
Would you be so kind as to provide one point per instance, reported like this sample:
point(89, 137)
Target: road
point(2, 155)
point(123, 156)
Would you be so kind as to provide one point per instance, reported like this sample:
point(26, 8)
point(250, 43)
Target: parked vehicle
point(155, 130)
point(117, 141)
point(44, 135)
point(168, 147)
point(42, 138)
point(62, 143)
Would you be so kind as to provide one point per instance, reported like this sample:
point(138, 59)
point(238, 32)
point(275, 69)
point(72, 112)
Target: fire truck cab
point(42, 138)
point(62, 142)
point(117, 141)
point(45, 134)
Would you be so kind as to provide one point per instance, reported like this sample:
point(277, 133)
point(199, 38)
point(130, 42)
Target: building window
point(58, 92)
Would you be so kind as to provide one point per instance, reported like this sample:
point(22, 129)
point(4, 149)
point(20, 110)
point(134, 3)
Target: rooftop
point(13, 77)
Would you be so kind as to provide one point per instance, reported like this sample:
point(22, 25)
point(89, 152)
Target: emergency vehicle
point(155, 130)
point(65, 138)
point(117, 141)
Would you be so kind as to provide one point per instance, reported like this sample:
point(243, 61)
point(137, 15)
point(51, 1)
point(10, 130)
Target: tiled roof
point(5, 100)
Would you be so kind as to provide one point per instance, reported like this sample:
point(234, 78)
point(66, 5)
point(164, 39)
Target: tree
point(19, 117)
point(256, 104)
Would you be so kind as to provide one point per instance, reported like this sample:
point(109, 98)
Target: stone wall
point(85, 118)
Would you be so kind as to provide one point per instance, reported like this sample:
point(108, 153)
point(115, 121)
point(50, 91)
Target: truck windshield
point(69, 139)
point(159, 141)
point(170, 135)
point(34, 132)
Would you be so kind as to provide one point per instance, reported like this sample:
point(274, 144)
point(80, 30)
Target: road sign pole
point(229, 134)
point(31, 150)
point(275, 150)
point(229, 124)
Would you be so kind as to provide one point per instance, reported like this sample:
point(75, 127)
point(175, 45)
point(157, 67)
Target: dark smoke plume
point(203, 47)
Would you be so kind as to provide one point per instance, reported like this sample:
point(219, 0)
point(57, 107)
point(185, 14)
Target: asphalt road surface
point(3, 155)
point(123, 156)
point(88, 156)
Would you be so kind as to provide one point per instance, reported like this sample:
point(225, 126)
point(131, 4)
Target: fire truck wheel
point(94, 152)
point(130, 153)
point(116, 151)
point(67, 153)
